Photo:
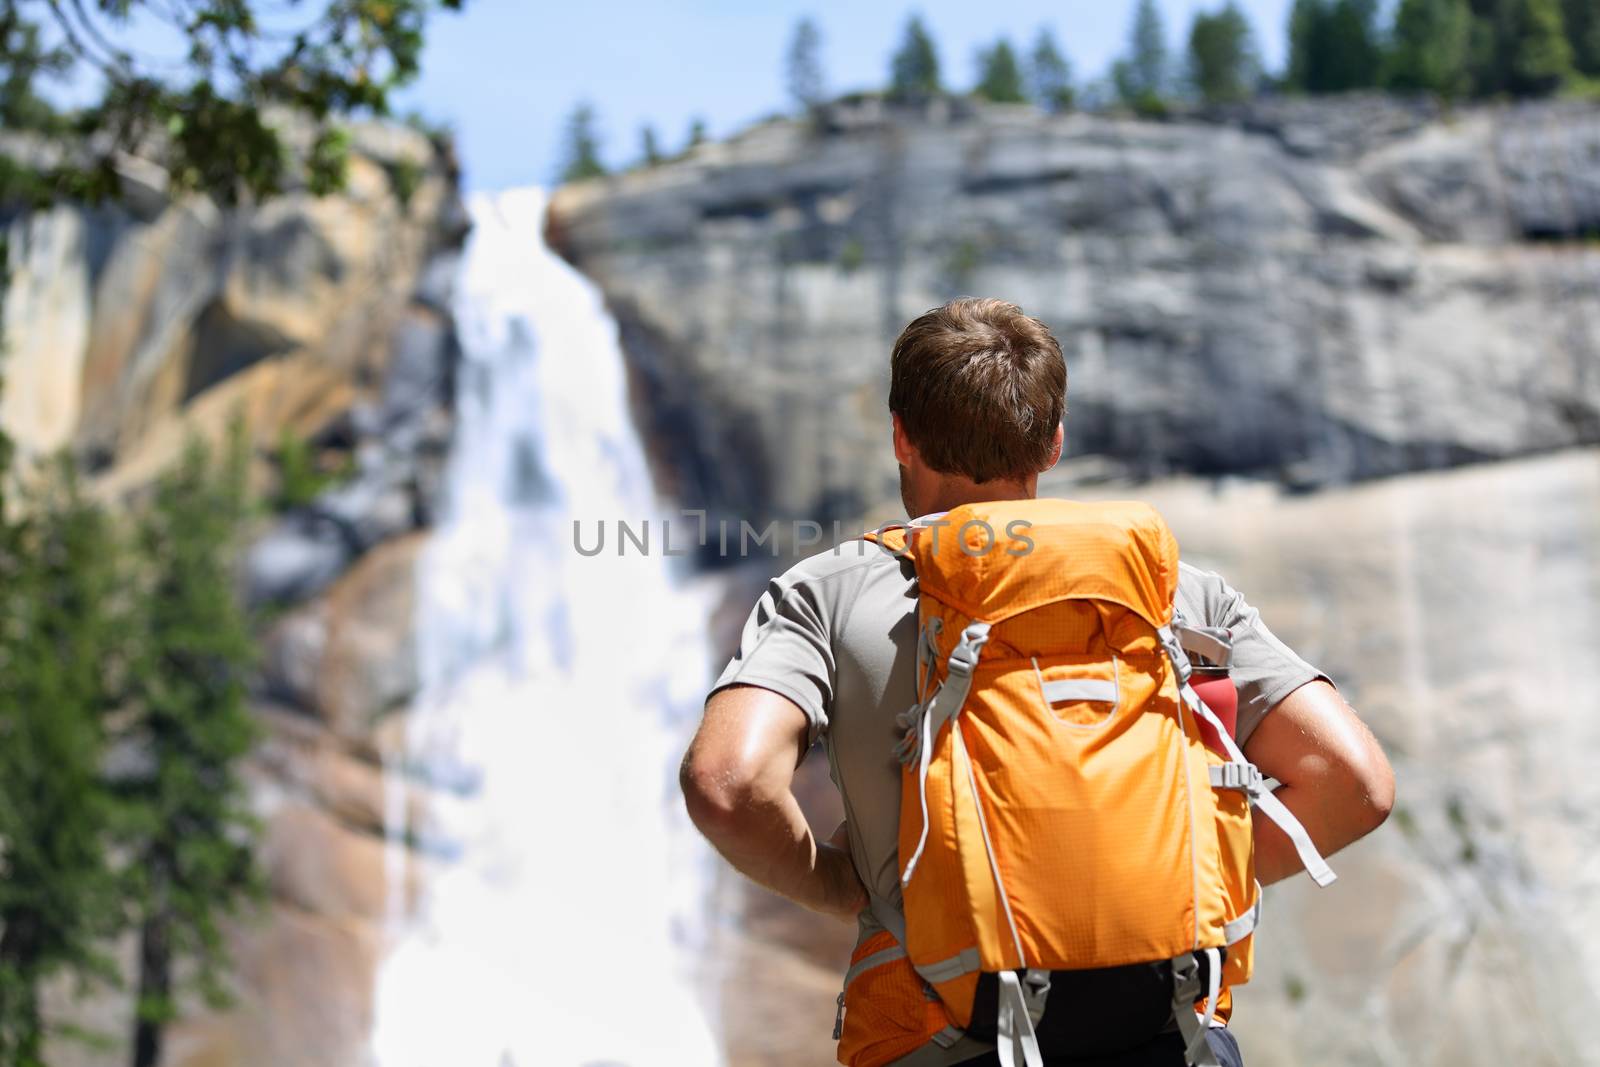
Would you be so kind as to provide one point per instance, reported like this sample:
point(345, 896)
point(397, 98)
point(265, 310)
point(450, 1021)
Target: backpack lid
point(995, 560)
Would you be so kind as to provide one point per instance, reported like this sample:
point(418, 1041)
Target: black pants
point(1164, 1051)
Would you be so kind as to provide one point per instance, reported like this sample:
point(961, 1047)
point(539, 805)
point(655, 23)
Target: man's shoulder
point(1202, 594)
point(853, 580)
point(856, 560)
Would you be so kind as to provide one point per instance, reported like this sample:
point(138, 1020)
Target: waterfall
point(553, 922)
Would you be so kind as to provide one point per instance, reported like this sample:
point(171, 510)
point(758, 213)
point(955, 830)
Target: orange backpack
point(1063, 820)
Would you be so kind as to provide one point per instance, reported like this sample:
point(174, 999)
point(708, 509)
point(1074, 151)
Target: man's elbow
point(1373, 780)
point(714, 792)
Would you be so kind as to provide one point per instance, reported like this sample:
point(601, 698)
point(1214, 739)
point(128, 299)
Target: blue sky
point(505, 73)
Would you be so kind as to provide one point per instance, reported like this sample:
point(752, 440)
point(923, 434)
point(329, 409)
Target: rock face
point(1314, 291)
point(127, 326)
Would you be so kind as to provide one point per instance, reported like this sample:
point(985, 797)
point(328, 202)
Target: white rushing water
point(555, 929)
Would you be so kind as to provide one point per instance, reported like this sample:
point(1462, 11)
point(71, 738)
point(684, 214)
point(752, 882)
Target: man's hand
point(1335, 778)
point(736, 780)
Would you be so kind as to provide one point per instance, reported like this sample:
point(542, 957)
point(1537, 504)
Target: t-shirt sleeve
point(1265, 670)
point(785, 647)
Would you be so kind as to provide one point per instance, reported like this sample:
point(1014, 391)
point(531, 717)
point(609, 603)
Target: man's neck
point(956, 492)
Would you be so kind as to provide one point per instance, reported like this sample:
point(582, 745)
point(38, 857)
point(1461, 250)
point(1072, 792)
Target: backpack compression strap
point(929, 716)
point(1021, 1006)
point(1186, 989)
point(1240, 773)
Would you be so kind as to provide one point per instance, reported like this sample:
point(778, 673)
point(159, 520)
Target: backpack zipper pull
point(838, 1020)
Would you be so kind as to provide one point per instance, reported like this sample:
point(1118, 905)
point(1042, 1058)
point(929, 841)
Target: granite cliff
point(1312, 291)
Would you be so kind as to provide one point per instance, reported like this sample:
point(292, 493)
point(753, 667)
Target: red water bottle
point(1214, 687)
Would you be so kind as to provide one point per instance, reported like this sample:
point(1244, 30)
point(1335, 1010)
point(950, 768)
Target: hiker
point(839, 649)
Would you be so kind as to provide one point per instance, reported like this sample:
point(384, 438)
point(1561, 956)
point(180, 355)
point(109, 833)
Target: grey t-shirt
point(836, 634)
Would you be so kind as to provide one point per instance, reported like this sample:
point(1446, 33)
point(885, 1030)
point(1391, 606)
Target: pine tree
point(1353, 55)
point(1541, 59)
point(803, 67)
point(1583, 33)
point(697, 132)
point(1222, 56)
point(58, 892)
point(1142, 76)
point(999, 75)
point(1430, 48)
point(1519, 47)
point(914, 70)
point(1304, 19)
point(649, 146)
point(1049, 74)
point(1334, 46)
point(1483, 52)
point(190, 831)
point(580, 152)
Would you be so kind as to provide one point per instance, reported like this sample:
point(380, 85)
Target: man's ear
point(1056, 446)
point(903, 448)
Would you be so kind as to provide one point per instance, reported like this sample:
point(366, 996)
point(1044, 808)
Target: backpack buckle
point(1244, 776)
point(1174, 650)
point(964, 657)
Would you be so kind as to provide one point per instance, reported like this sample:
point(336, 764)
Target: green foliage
point(24, 58)
point(1305, 17)
point(58, 658)
point(1049, 74)
point(1141, 76)
point(1430, 48)
point(961, 263)
point(328, 163)
point(405, 178)
point(1486, 48)
point(437, 131)
point(1543, 57)
point(852, 255)
point(144, 645)
point(914, 69)
point(999, 74)
point(188, 828)
point(1456, 813)
point(649, 146)
point(1355, 45)
point(802, 67)
point(212, 117)
point(1222, 55)
point(39, 187)
point(697, 132)
point(1334, 46)
point(1582, 19)
point(580, 146)
point(301, 478)
point(1519, 47)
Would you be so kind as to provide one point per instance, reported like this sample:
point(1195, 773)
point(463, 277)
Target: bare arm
point(737, 778)
point(1335, 777)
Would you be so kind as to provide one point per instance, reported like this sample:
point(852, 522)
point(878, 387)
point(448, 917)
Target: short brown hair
point(980, 389)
